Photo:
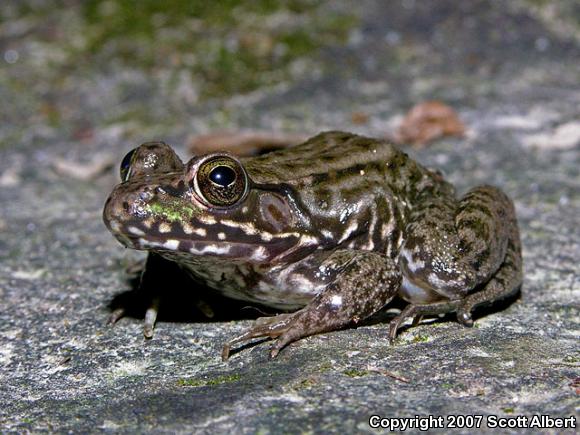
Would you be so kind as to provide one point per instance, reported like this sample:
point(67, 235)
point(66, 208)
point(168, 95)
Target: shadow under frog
point(182, 300)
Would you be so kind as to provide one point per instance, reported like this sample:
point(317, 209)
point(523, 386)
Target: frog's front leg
point(148, 290)
point(152, 282)
point(459, 254)
point(363, 282)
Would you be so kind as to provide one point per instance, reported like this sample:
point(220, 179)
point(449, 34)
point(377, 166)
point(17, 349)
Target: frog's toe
point(293, 333)
point(150, 318)
point(417, 319)
point(205, 308)
point(116, 315)
point(270, 327)
point(464, 316)
point(267, 320)
point(395, 324)
point(418, 311)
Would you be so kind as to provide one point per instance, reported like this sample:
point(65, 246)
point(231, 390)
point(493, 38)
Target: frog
point(327, 232)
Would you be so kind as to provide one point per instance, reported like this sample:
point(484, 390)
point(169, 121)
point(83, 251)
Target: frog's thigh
point(452, 246)
point(505, 282)
point(452, 249)
point(365, 284)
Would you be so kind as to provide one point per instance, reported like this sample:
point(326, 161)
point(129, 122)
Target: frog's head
point(207, 207)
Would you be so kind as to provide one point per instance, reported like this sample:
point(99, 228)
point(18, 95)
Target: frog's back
point(346, 166)
point(329, 153)
point(358, 190)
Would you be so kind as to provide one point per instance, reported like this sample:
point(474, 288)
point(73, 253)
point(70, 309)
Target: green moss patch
point(197, 382)
point(228, 47)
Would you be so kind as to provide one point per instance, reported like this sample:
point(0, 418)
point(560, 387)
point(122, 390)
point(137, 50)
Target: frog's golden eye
point(125, 168)
point(221, 181)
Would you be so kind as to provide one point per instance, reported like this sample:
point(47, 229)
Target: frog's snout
point(121, 208)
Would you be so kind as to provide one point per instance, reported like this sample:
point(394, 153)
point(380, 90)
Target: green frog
point(328, 231)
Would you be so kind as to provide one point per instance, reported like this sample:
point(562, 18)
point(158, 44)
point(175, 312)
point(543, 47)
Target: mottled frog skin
point(329, 231)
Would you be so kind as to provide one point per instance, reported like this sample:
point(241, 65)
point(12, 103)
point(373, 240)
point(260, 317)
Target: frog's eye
point(126, 165)
point(221, 181)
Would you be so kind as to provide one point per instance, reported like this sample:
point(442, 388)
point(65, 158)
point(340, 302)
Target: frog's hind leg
point(454, 248)
point(366, 281)
point(506, 282)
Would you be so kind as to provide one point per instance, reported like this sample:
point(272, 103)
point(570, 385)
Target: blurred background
point(115, 73)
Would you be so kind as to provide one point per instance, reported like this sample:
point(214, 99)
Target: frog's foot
point(286, 328)
point(417, 312)
point(150, 317)
point(366, 283)
point(271, 327)
point(147, 289)
point(152, 312)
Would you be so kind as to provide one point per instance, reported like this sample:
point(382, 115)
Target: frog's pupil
point(126, 165)
point(222, 176)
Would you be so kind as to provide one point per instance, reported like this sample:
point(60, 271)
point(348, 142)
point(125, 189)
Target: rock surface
point(510, 70)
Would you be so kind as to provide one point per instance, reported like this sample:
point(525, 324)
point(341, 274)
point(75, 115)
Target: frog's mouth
point(220, 242)
point(230, 250)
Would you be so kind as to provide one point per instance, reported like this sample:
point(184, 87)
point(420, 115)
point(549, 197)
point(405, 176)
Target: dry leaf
point(243, 143)
point(359, 117)
point(428, 121)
